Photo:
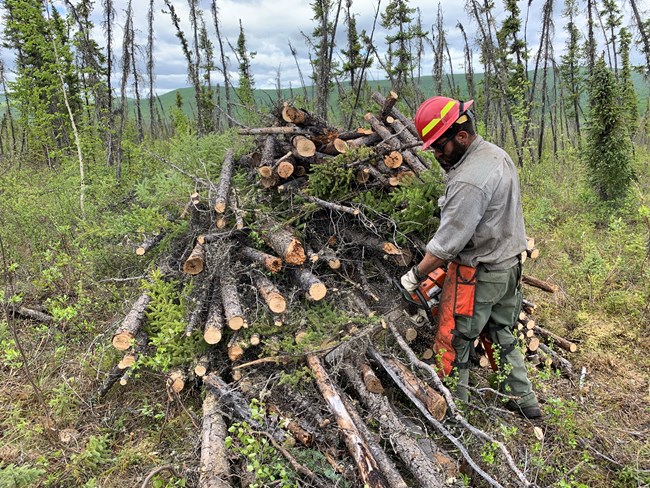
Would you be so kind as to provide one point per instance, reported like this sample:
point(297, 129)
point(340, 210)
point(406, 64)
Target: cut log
point(255, 339)
point(149, 243)
point(388, 104)
point(223, 187)
point(314, 288)
point(198, 303)
point(239, 218)
point(331, 206)
point(284, 169)
point(537, 283)
point(370, 379)
point(369, 140)
point(131, 323)
point(393, 159)
point(559, 362)
point(35, 315)
point(397, 178)
point(304, 147)
point(410, 334)
point(270, 293)
point(434, 402)
point(532, 253)
point(328, 256)
point(270, 263)
point(283, 242)
point(215, 471)
point(362, 176)
point(259, 131)
point(533, 344)
point(194, 264)
point(176, 380)
point(302, 435)
point(270, 182)
point(202, 366)
point(113, 376)
point(213, 329)
point(400, 256)
point(232, 308)
point(265, 168)
point(560, 341)
point(379, 98)
point(335, 147)
point(427, 354)
point(235, 349)
point(298, 116)
point(369, 471)
point(292, 185)
point(420, 464)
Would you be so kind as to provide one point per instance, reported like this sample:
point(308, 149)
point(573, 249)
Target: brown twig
point(154, 472)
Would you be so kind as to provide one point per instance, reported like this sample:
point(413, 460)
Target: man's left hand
point(410, 280)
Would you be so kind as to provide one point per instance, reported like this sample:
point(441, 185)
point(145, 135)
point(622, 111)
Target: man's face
point(448, 152)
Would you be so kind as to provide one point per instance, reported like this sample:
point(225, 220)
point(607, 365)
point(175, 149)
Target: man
point(481, 237)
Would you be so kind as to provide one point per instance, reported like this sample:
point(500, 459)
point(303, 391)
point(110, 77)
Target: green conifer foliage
point(246, 82)
point(609, 149)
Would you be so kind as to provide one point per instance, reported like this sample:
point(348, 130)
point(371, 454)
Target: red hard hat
point(436, 115)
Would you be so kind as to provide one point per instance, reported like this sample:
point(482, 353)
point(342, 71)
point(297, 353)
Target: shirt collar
point(472, 147)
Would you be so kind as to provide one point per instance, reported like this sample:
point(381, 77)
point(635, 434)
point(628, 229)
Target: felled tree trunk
point(199, 301)
point(149, 243)
point(379, 98)
point(434, 402)
point(265, 167)
point(560, 341)
point(223, 188)
point(232, 308)
point(369, 471)
point(537, 283)
point(215, 471)
point(314, 288)
point(213, 329)
point(194, 264)
point(270, 294)
point(271, 263)
point(283, 242)
point(399, 256)
point(131, 323)
point(423, 468)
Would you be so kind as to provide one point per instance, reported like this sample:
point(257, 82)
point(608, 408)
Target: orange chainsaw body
point(430, 290)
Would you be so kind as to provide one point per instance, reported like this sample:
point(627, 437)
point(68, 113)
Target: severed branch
point(452, 405)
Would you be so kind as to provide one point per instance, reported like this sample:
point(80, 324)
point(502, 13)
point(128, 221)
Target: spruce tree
point(246, 82)
point(609, 149)
point(570, 70)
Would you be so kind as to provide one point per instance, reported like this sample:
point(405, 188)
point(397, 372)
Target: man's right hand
point(410, 281)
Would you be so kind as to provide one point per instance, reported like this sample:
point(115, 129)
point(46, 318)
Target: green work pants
point(496, 308)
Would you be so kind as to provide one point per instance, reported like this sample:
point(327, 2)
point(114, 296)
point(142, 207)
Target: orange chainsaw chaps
point(457, 299)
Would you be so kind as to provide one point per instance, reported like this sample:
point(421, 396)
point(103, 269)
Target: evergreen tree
point(570, 73)
point(628, 93)
point(326, 16)
point(399, 62)
point(246, 82)
point(609, 150)
point(37, 87)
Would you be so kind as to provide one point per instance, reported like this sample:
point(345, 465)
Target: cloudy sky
point(270, 25)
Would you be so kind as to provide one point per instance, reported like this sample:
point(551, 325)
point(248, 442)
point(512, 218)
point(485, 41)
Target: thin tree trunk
point(150, 66)
point(224, 65)
point(136, 87)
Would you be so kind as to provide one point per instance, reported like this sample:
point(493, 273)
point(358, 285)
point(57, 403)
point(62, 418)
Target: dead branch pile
point(284, 281)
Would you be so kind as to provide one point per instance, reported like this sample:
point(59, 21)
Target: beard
point(457, 152)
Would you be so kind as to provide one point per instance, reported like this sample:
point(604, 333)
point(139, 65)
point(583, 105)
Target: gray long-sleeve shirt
point(481, 213)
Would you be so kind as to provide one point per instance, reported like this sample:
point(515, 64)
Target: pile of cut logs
point(237, 279)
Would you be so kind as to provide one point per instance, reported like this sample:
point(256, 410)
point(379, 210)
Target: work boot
point(530, 412)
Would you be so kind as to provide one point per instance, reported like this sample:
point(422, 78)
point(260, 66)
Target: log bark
point(537, 283)
point(149, 243)
point(423, 468)
point(271, 295)
point(314, 288)
point(232, 308)
point(265, 167)
point(388, 104)
point(199, 302)
point(113, 376)
point(370, 379)
point(560, 341)
point(368, 468)
point(269, 262)
point(235, 349)
point(335, 147)
point(379, 98)
point(369, 140)
point(194, 264)
point(298, 116)
point(393, 142)
point(214, 322)
point(258, 131)
point(434, 402)
point(302, 435)
point(202, 366)
point(215, 471)
point(223, 187)
point(559, 362)
point(400, 256)
point(131, 323)
point(328, 256)
point(283, 242)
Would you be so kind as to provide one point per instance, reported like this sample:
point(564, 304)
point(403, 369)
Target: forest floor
point(595, 431)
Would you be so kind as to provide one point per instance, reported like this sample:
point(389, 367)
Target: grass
point(598, 257)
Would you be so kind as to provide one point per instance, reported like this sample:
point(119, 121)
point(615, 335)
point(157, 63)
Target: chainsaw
point(423, 303)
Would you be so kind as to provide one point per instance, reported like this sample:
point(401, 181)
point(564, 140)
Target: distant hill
point(269, 96)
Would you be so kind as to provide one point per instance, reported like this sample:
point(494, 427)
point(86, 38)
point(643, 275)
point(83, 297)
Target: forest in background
point(86, 176)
